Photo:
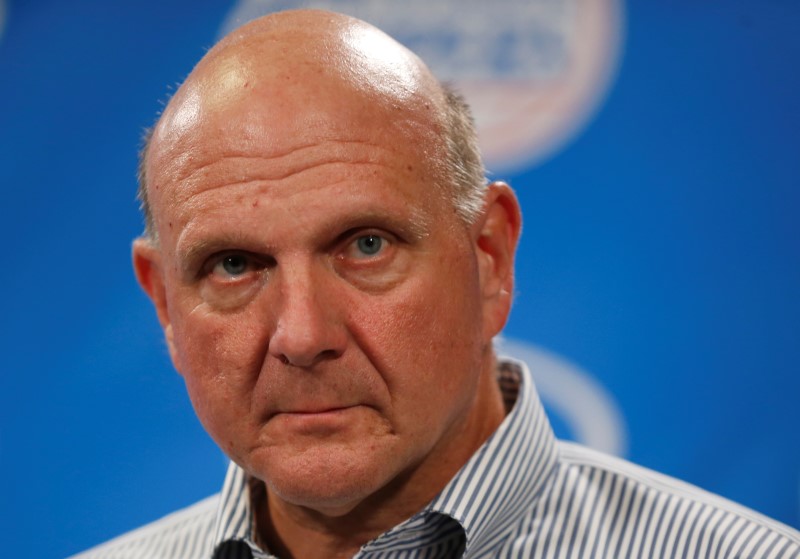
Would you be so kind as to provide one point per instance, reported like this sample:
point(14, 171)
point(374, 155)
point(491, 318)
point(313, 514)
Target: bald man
point(330, 267)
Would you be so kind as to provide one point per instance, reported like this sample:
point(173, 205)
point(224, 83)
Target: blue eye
point(369, 244)
point(234, 264)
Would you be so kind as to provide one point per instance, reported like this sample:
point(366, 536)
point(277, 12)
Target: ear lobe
point(497, 233)
point(147, 267)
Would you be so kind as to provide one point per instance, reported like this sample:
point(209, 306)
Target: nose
point(309, 326)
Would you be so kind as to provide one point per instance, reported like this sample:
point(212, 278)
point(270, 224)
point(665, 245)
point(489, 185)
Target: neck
point(292, 532)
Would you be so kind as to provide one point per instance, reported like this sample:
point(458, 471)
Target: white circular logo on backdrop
point(533, 70)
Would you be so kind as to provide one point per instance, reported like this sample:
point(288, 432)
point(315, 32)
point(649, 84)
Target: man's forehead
point(271, 143)
point(291, 81)
point(277, 81)
point(320, 162)
point(315, 56)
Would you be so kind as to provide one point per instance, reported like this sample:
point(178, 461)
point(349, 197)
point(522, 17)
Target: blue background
point(660, 253)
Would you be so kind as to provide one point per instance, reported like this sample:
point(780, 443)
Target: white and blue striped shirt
point(522, 495)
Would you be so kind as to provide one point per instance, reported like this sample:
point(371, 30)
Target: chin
point(332, 481)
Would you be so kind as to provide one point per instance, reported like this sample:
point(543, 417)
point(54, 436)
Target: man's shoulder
point(186, 533)
point(654, 509)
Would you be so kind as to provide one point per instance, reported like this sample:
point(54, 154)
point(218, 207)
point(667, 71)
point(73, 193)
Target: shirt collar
point(235, 518)
point(504, 478)
point(501, 480)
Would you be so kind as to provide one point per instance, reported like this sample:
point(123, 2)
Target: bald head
point(287, 74)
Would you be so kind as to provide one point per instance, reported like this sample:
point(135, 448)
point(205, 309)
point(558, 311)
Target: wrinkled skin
point(331, 314)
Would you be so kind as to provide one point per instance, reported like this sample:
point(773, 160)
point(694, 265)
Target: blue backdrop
point(660, 257)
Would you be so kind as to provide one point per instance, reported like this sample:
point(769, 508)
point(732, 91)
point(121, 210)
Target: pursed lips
point(317, 421)
point(317, 411)
point(313, 410)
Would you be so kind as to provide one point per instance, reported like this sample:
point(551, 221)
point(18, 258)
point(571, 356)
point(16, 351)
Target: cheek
point(426, 341)
point(220, 360)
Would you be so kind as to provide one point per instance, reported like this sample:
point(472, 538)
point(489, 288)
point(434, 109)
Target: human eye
point(372, 259)
point(233, 266)
point(368, 245)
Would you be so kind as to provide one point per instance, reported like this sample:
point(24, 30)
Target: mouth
point(322, 420)
point(315, 411)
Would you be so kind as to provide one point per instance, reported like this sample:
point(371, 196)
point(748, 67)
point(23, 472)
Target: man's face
point(321, 297)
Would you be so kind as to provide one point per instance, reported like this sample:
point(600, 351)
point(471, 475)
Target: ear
point(149, 273)
point(496, 234)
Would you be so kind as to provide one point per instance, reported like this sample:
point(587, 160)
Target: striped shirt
point(523, 494)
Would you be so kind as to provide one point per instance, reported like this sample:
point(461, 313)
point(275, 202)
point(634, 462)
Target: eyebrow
point(415, 226)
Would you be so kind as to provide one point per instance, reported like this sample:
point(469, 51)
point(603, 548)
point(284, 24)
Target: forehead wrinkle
point(276, 157)
point(279, 171)
point(187, 201)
